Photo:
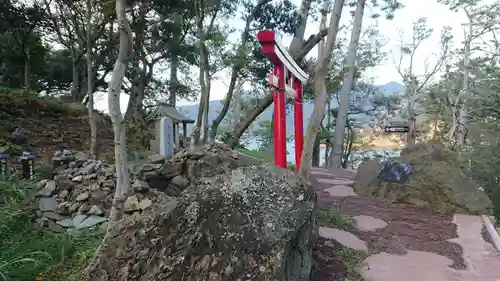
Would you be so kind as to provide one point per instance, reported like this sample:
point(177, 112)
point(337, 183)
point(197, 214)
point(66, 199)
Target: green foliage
point(483, 162)
point(44, 171)
point(21, 43)
point(263, 135)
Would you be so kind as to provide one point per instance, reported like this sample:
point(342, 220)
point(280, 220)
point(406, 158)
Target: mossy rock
point(437, 182)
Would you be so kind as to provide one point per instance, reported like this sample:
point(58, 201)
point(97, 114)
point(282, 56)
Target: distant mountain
point(392, 88)
point(191, 111)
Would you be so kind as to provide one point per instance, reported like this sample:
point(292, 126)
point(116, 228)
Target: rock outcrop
point(437, 182)
point(250, 223)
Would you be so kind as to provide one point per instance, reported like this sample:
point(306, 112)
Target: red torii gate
point(287, 77)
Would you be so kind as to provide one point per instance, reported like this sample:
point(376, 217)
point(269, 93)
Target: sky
point(438, 16)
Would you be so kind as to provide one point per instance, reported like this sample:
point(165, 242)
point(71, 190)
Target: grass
point(256, 154)
point(350, 258)
point(334, 219)
point(30, 254)
point(262, 156)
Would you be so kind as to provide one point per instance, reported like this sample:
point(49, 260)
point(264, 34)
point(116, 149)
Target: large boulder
point(437, 182)
point(252, 223)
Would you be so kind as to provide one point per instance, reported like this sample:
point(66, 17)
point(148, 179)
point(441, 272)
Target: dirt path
point(401, 242)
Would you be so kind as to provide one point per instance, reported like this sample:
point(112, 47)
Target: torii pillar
point(287, 78)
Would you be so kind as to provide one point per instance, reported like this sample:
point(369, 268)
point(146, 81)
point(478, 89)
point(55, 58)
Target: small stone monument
point(172, 132)
point(167, 143)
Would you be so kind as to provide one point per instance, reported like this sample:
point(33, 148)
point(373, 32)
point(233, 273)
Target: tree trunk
point(347, 84)
point(350, 141)
point(125, 51)
point(462, 114)
point(325, 155)
point(411, 136)
point(27, 62)
point(136, 98)
point(320, 73)
point(316, 153)
point(75, 80)
point(206, 137)
point(237, 105)
point(172, 86)
point(203, 94)
point(312, 128)
point(92, 124)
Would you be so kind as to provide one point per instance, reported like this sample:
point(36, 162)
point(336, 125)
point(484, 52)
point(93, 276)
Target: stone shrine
point(167, 131)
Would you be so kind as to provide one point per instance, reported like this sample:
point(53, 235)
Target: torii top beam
point(277, 54)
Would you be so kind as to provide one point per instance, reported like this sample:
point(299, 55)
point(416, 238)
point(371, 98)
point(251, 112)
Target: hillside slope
point(49, 123)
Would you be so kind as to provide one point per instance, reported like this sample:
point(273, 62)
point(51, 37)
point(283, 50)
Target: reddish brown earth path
point(401, 242)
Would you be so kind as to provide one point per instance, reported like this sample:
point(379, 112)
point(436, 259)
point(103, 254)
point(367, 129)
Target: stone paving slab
point(415, 244)
point(340, 191)
point(345, 238)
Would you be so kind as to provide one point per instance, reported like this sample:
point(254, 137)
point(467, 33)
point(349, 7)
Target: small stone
point(180, 181)
point(84, 221)
point(99, 195)
point(144, 204)
point(150, 167)
point(90, 176)
point(65, 223)
point(64, 194)
point(140, 186)
point(42, 222)
point(47, 204)
point(54, 216)
point(131, 204)
point(108, 183)
point(48, 190)
point(93, 186)
point(94, 210)
point(55, 227)
point(88, 169)
point(229, 270)
point(84, 208)
point(82, 197)
point(73, 208)
point(156, 159)
point(41, 184)
point(77, 178)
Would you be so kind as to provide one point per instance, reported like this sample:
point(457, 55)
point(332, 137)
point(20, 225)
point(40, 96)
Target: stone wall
point(81, 192)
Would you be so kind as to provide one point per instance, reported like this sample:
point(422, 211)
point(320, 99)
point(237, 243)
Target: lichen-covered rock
point(437, 182)
point(252, 223)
